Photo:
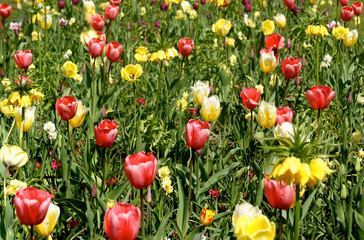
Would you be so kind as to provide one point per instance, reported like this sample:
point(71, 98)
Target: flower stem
point(280, 225)
point(317, 62)
point(6, 170)
point(31, 232)
point(158, 90)
point(93, 89)
point(71, 144)
point(318, 124)
point(297, 214)
point(142, 207)
point(285, 93)
point(21, 134)
point(251, 125)
point(103, 172)
point(180, 73)
point(189, 197)
point(11, 129)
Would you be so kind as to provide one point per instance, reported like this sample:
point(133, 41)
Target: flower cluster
point(50, 128)
point(166, 183)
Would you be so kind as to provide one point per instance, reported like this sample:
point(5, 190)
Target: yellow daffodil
point(210, 108)
point(319, 169)
point(340, 32)
point(46, 227)
point(268, 62)
point(13, 157)
point(141, 54)
point(157, 56)
point(199, 90)
point(351, 38)
point(267, 114)
point(280, 20)
point(28, 120)
point(78, 119)
point(207, 216)
point(221, 27)
point(258, 227)
point(69, 69)
point(267, 27)
point(131, 72)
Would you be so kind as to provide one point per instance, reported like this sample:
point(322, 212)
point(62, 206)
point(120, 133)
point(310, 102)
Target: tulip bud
point(61, 4)
point(94, 191)
point(344, 193)
point(75, 2)
point(350, 99)
point(62, 88)
point(252, 53)
point(164, 6)
point(207, 216)
point(211, 87)
point(2, 72)
point(157, 24)
point(248, 7)
point(128, 26)
point(298, 80)
point(344, 2)
point(84, 67)
point(203, 2)
point(149, 195)
point(103, 113)
point(289, 43)
point(245, 2)
point(357, 164)
point(195, 5)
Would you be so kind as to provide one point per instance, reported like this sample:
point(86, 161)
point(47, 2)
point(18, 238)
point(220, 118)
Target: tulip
point(13, 157)
point(278, 194)
point(116, 2)
point(280, 20)
point(185, 46)
point(347, 13)
point(66, 107)
point(28, 119)
point(207, 216)
point(221, 27)
point(164, 6)
point(340, 32)
point(291, 67)
point(95, 47)
point(141, 54)
point(284, 130)
point(75, 2)
point(245, 209)
point(102, 36)
point(5, 10)
point(274, 42)
point(289, 3)
point(69, 69)
point(98, 22)
point(248, 7)
point(113, 51)
point(85, 37)
point(61, 4)
point(171, 53)
point(131, 72)
point(358, 8)
point(199, 90)
point(46, 227)
point(210, 109)
point(106, 132)
point(122, 222)
point(111, 12)
point(320, 97)
point(78, 119)
point(284, 115)
point(267, 114)
point(267, 27)
point(267, 61)
point(141, 169)
point(351, 38)
point(46, 22)
point(250, 97)
point(31, 205)
point(197, 134)
point(344, 2)
point(23, 59)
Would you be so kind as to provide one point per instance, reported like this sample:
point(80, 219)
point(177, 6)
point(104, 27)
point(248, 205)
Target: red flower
point(141, 169)
point(358, 8)
point(98, 22)
point(102, 36)
point(23, 58)
point(113, 51)
point(291, 67)
point(284, 115)
point(250, 97)
point(274, 42)
point(214, 193)
point(56, 165)
point(115, 2)
point(289, 3)
point(66, 107)
point(140, 101)
point(95, 47)
point(122, 222)
point(344, 2)
point(185, 46)
point(106, 132)
point(111, 12)
point(31, 205)
point(320, 97)
point(193, 111)
point(278, 194)
point(197, 134)
point(5, 10)
point(347, 13)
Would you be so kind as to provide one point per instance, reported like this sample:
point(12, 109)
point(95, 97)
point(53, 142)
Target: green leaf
point(162, 226)
point(115, 193)
point(307, 204)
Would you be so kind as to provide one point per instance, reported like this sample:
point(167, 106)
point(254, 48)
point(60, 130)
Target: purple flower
point(157, 24)
point(195, 5)
point(62, 22)
point(203, 2)
point(164, 6)
point(248, 7)
point(61, 4)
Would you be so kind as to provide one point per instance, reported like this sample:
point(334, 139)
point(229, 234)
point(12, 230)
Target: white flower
point(186, 7)
point(232, 60)
point(199, 236)
point(52, 135)
point(49, 127)
point(360, 99)
point(284, 130)
point(15, 26)
point(245, 209)
point(328, 59)
point(333, 24)
point(246, 17)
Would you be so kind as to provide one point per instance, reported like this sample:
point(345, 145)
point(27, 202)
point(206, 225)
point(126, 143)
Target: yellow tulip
point(221, 27)
point(340, 32)
point(245, 209)
point(69, 69)
point(43, 23)
point(13, 156)
point(280, 20)
point(171, 53)
point(207, 216)
point(267, 114)
point(267, 27)
point(168, 2)
point(78, 119)
point(267, 62)
point(210, 109)
point(351, 38)
point(180, 15)
point(157, 56)
point(319, 169)
point(88, 5)
point(258, 227)
point(199, 90)
point(28, 120)
point(89, 14)
point(141, 54)
point(313, 1)
point(46, 227)
point(7, 108)
point(85, 37)
point(131, 72)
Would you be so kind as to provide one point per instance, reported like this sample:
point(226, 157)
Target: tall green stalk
point(158, 90)
point(142, 208)
point(297, 215)
point(317, 61)
point(185, 223)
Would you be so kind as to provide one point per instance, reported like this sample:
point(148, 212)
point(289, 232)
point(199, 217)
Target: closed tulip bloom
point(358, 8)
point(116, 2)
point(141, 169)
point(344, 2)
point(280, 20)
point(185, 46)
point(267, 61)
point(122, 222)
point(66, 107)
point(267, 27)
point(32, 205)
point(95, 47)
point(113, 51)
point(284, 115)
point(210, 109)
point(5, 10)
point(245, 209)
point(46, 22)
point(28, 120)
point(46, 227)
point(69, 69)
point(320, 97)
point(351, 38)
point(278, 194)
point(267, 114)
point(23, 59)
point(85, 37)
point(131, 72)
point(199, 90)
point(78, 119)
point(111, 12)
point(13, 157)
point(250, 97)
point(106, 132)
point(221, 27)
point(291, 67)
point(347, 13)
point(340, 32)
point(197, 134)
point(258, 227)
point(97, 22)
point(289, 3)
point(207, 216)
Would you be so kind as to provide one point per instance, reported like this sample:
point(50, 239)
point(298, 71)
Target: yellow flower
point(245, 209)
point(85, 37)
point(131, 72)
point(71, 21)
point(210, 109)
point(13, 156)
point(313, 1)
point(199, 90)
point(69, 69)
point(207, 216)
point(267, 27)
point(29, 118)
point(78, 78)
point(357, 137)
point(317, 30)
point(46, 227)
point(142, 11)
point(193, 14)
point(357, 20)
point(258, 227)
point(88, 5)
point(256, 14)
point(267, 62)
point(37, 18)
point(361, 153)
point(7, 108)
point(186, 6)
point(340, 32)
point(35, 36)
point(157, 56)
point(267, 114)
point(232, 60)
point(260, 87)
point(319, 169)
point(221, 27)
point(163, 172)
point(280, 20)
point(171, 53)
point(5, 82)
point(78, 119)
point(180, 14)
point(110, 203)
point(43, 23)
point(168, 2)
point(351, 38)
point(230, 42)
point(141, 54)
point(166, 184)
point(89, 14)
point(35, 96)
point(14, 187)
point(182, 103)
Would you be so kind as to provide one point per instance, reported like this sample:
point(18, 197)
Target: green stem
point(71, 144)
point(6, 170)
point(93, 89)
point(280, 225)
point(11, 129)
point(31, 232)
point(337, 11)
point(318, 124)
point(158, 90)
point(285, 93)
point(251, 125)
point(21, 134)
point(297, 215)
point(103, 172)
point(180, 73)
point(317, 62)
point(142, 208)
point(189, 197)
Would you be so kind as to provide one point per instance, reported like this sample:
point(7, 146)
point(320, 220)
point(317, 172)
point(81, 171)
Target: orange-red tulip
point(5, 10)
point(250, 97)
point(320, 97)
point(98, 22)
point(106, 132)
point(23, 58)
point(66, 107)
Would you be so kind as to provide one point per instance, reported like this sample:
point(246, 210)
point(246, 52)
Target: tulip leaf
point(75, 204)
point(90, 218)
point(182, 205)
point(162, 226)
point(307, 204)
point(194, 232)
point(115, 193)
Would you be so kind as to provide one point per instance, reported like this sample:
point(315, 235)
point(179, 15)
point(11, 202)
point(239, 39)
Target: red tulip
point(31, 205)
point(274, 42)
point(106, 132)
point(197, 134)
point(66, 107)
point(185, 46)
point(289, 3)
point(320, 97)
point(347, 13)
point(113, 51)
point(95, 47)
point(115, 2)
point(5, 10)
point(98, 22)
point(111, 12)
point(141, 169)
point(358, 8)
point(101, 36)
point(250, 97)
point(284, 115)
point(291, 67)
point(278, 194)
point(344, 2)
point(23, 58)
point(122, 222)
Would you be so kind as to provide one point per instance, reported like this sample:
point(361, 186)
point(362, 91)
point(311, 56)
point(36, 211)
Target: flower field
point(181, 119)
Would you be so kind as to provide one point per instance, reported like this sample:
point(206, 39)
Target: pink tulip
point(197, 134)
point(284, 115)
point(278, 194)
point(320, 97)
